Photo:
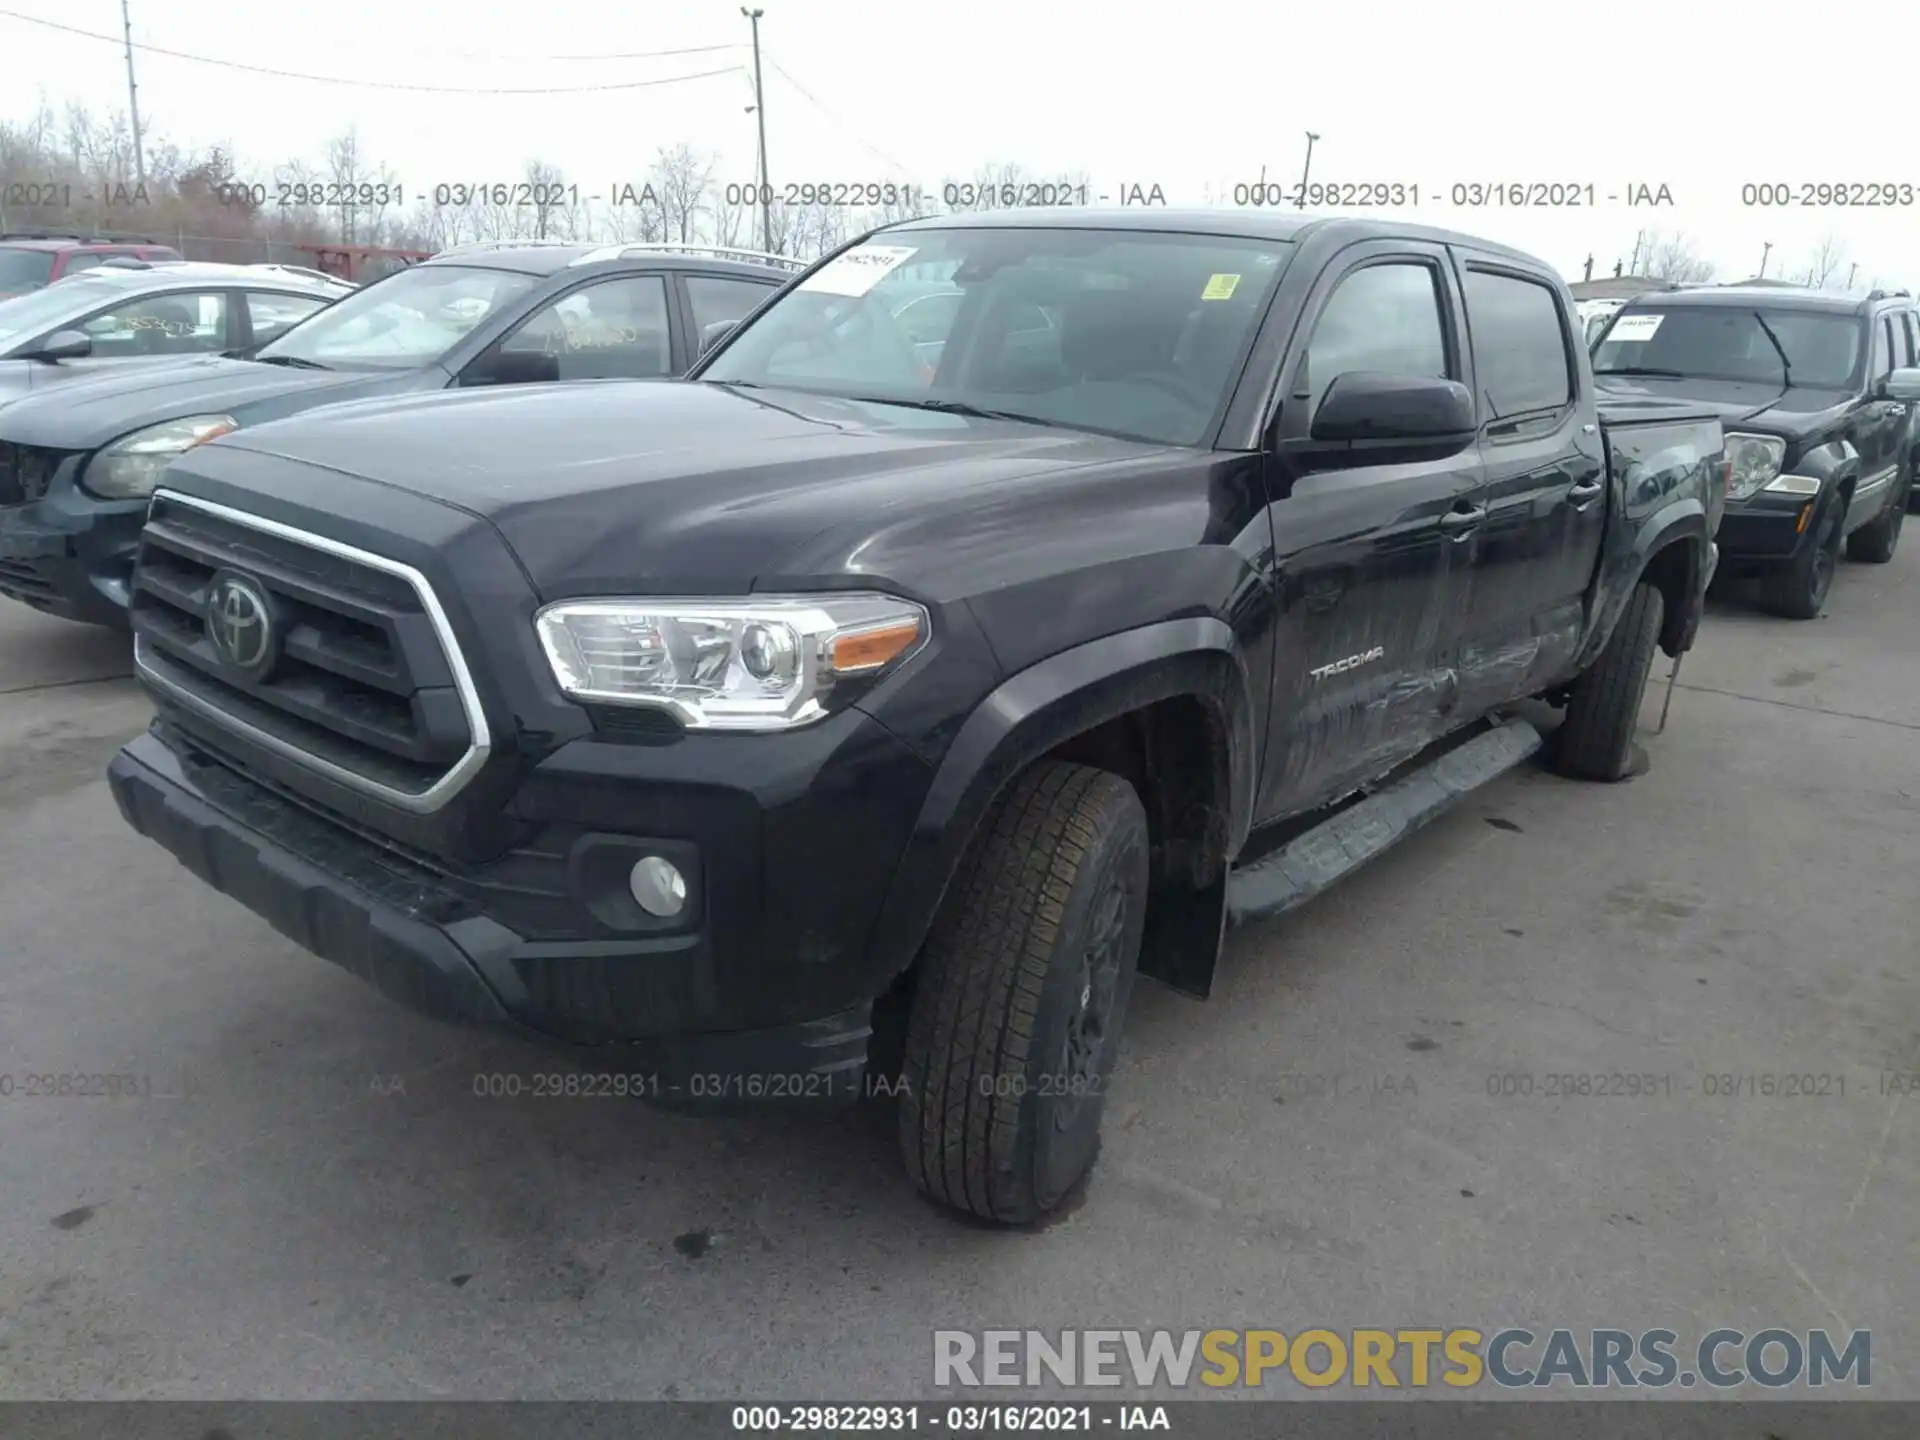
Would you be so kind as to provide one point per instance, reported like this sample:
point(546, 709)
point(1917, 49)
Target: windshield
point(1126, 333)
point(1724, 343)
point(28, 317)
point(411, 318)
point(23, 269)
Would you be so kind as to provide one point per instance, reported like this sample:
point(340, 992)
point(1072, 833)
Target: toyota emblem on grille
point(240, 623)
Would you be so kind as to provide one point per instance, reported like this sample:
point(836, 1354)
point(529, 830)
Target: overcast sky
point(1195, 97)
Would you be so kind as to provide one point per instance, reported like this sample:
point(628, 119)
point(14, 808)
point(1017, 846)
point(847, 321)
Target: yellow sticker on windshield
point(1220, 287)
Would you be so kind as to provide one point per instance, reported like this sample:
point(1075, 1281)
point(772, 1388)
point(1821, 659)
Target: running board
point(1309, 863)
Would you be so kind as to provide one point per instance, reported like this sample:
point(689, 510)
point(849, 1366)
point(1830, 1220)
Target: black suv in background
point(78, 464)
point(1817, 393)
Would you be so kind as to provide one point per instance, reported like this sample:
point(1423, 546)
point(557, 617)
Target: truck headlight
point(755, 663)
point(1755, 459)
point(131, 466)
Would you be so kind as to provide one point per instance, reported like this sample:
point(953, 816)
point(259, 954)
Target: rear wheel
point(1799, 589)
point(1874, 544)
point(1603, 709)
point(1024, 984)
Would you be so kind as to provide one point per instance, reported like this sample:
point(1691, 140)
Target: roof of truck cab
point(1246, 224)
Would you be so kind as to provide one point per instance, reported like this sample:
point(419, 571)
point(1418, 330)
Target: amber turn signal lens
point(1806, 514)
point(870, 649)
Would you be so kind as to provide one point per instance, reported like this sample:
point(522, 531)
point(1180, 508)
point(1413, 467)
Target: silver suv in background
point(134, 310)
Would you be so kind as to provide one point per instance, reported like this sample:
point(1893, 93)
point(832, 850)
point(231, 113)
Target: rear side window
point(1519, 344)
point(1902, 346)
point(715, 299)
point(274, 311)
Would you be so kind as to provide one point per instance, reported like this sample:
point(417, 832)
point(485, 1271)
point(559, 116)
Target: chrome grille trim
point(424, 802)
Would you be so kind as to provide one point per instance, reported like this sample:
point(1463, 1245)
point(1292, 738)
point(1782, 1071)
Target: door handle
point(1461, 523)
point(1581, 494)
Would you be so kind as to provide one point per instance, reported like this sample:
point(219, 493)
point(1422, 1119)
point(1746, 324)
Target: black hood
point(1741, 404)
point(105, 404)
point(604, 485)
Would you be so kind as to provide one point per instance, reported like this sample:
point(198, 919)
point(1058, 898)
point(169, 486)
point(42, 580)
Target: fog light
point(658, 887)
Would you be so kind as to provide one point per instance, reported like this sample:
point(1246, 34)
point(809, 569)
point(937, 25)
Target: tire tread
point(1596, 737)
point(985, 963)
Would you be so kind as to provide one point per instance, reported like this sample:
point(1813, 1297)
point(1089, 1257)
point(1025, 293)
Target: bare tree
point(681, 178)
point(1823, 263)
point(731, 221)
point(1674, 257)
point(549, 201)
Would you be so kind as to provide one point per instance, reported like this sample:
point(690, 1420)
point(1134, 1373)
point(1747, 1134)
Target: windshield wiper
point(1786, 365)
point(959, 407)
point(1643, 370)
point(294, 362)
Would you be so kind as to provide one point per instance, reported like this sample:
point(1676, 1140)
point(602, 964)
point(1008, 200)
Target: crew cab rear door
point(1368, 556)
point(1545, 461)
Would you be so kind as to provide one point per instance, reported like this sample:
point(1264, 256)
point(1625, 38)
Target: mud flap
point(1312, 862)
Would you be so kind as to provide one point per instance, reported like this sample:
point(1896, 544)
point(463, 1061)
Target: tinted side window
point(1519, 344)
point(1901, 322)
point(82, 261)
point(1882, 350)
point(273, 311)
point(714, 299)
point(1382, 318)
point(175, 324)
point(616, 329)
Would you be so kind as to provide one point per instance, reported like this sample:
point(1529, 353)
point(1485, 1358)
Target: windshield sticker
point(1221, 287)
point(859, 270)
point(1635, 327)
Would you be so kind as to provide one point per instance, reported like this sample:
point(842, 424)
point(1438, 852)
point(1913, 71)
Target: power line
point(395, 85)
point(831, 115)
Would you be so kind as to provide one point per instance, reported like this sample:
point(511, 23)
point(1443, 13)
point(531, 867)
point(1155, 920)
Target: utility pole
point(1766, 249)
point(1851, 271)
point(760, 114)
point(1306, 169)
point(133, 102)
point(1589, 271)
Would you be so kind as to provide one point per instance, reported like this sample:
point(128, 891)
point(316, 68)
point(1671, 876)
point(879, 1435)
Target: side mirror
point(513, 367)
point(66, 345)
point(1364, 406)
point(715, 333)
point(1902, 385)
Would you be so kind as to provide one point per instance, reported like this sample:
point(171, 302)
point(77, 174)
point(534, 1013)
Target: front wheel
point(1026, 974)
point(1603, 710)
point(1874, 544)
point(1799, 589)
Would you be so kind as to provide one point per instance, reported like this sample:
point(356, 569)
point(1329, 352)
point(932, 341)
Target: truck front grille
point(362, 680)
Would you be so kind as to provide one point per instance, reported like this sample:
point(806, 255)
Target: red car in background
point(28, 262)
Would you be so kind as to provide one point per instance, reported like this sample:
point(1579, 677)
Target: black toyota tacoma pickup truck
point(872, 707)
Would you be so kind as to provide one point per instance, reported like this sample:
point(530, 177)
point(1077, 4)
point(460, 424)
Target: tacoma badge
point(1352, 662)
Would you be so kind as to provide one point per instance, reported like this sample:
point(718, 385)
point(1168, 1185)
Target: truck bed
point(1651, 445)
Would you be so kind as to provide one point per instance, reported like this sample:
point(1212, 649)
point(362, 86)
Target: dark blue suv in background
point(78, 464)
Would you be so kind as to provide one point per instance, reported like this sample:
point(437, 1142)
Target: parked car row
point(996, 611)
point(1817, 393)
point(81, 449)
point(30, 261)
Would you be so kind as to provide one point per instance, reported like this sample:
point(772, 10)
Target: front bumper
point(425, 938)
point(70, 556)
point(1766, 527)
